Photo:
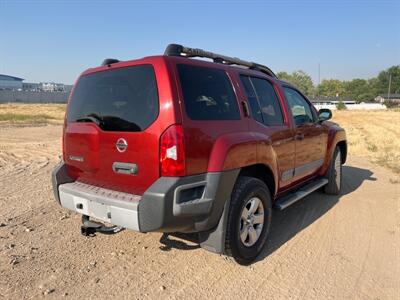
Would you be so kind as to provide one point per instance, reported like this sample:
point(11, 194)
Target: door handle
point(245, 108)
point(125, 168)
point(299, 137)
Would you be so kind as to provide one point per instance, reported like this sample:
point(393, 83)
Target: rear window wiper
point(91, 118)
point(119, 124)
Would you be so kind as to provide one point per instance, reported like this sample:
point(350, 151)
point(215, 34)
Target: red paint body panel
point(210, 146)
point(201, 136)
point(98, 147)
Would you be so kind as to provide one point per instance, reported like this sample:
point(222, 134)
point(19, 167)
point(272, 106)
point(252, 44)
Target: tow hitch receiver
point(89, 228)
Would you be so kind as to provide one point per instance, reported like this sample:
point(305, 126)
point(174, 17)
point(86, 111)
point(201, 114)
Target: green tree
point(390, 104)
point(373, 88)
point(341, 106)
point(357, 89)
point(382, 82)
point(360, 90)
point(331, 88)
point(284, 76)
point(300, 79)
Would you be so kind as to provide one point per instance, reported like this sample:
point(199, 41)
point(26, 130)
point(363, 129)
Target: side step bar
point(288, 200)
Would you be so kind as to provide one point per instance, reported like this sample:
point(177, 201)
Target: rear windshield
point(123, 99)
point(207, 93)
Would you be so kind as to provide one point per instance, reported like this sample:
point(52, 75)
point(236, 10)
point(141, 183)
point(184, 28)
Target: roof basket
point(179, 50)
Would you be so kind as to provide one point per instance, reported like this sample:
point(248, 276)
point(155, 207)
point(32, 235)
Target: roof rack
point(179, 50)
point(109, 61)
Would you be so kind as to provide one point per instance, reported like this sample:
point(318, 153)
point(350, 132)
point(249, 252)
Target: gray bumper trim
point(160, 208)
point(59, 176)
point(109, 206)
point(105, 196)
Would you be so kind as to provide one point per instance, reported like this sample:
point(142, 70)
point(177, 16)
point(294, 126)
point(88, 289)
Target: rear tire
point(334, 174)
point(249, 220)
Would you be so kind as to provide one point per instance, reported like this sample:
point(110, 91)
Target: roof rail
point(109, 61)
point(179, 50)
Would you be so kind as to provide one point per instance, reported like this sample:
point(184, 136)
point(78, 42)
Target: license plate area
point(93, 209)
point(121, 216)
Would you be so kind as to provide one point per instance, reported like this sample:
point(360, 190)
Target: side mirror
point(324, 114)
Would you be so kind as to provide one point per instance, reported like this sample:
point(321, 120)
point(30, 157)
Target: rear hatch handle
point(125, 168)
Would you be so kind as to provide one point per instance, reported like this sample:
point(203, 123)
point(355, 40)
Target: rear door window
point(207, 93)
point(263, 100)
point(124, 99)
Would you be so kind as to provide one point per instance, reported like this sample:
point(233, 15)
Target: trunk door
point(110, 139)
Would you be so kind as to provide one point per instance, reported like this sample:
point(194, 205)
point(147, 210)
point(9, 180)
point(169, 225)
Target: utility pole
point(319, 73)
point(319, 77)
point(390, 82)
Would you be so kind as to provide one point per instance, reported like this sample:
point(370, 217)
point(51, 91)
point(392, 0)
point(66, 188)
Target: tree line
point(360, 90)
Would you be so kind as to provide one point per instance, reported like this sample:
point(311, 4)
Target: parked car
point(170, 143)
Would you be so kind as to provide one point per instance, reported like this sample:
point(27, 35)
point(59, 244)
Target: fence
point(33, 97)
point(360, 106)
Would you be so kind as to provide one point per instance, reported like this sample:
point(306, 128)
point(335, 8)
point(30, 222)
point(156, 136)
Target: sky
point(57, 40)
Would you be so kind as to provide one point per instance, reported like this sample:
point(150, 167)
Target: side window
point(299, 106)
point(253, 101)
point(269, 103)
point(207, 94)
point(263, 101)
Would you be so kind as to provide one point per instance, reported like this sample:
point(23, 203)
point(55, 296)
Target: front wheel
point(334, 174)
point(249, 219)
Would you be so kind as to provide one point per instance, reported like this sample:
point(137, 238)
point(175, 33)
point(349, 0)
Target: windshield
point(124, 99)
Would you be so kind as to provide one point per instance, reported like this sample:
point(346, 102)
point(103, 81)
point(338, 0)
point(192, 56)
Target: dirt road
point(345, 247)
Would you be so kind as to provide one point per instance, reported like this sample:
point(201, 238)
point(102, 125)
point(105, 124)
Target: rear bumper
point(113, 207)
point(171, 204)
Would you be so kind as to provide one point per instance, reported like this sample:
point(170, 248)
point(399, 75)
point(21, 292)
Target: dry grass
point(19, 113)
point(374, 135)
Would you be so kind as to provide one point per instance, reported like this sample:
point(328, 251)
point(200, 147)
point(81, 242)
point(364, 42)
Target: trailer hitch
point(89, 228)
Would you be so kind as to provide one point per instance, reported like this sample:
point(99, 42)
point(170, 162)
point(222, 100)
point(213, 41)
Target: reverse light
point(172, 152)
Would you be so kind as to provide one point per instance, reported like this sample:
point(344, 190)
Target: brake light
point(172, 152)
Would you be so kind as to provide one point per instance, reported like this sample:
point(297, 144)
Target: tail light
point(172, 152)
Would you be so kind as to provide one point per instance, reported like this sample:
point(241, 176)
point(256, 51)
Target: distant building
point(51, 87)
point(30, 86)
point(68, 88)
point(323, 100)
point(54, 87)
point(395, 98)
point(332, 102)
point(8, 82)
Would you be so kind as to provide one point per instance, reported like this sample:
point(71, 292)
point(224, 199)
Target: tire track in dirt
point(24, 161)
point(321, 247)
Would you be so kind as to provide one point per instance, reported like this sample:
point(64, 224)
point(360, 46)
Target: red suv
point(174, 144)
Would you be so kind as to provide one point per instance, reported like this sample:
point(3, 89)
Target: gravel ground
point(345, 247)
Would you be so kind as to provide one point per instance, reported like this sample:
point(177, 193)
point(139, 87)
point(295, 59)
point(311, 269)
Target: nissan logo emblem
point(122, 145)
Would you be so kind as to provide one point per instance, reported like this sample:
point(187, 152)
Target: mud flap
point(214, 240)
